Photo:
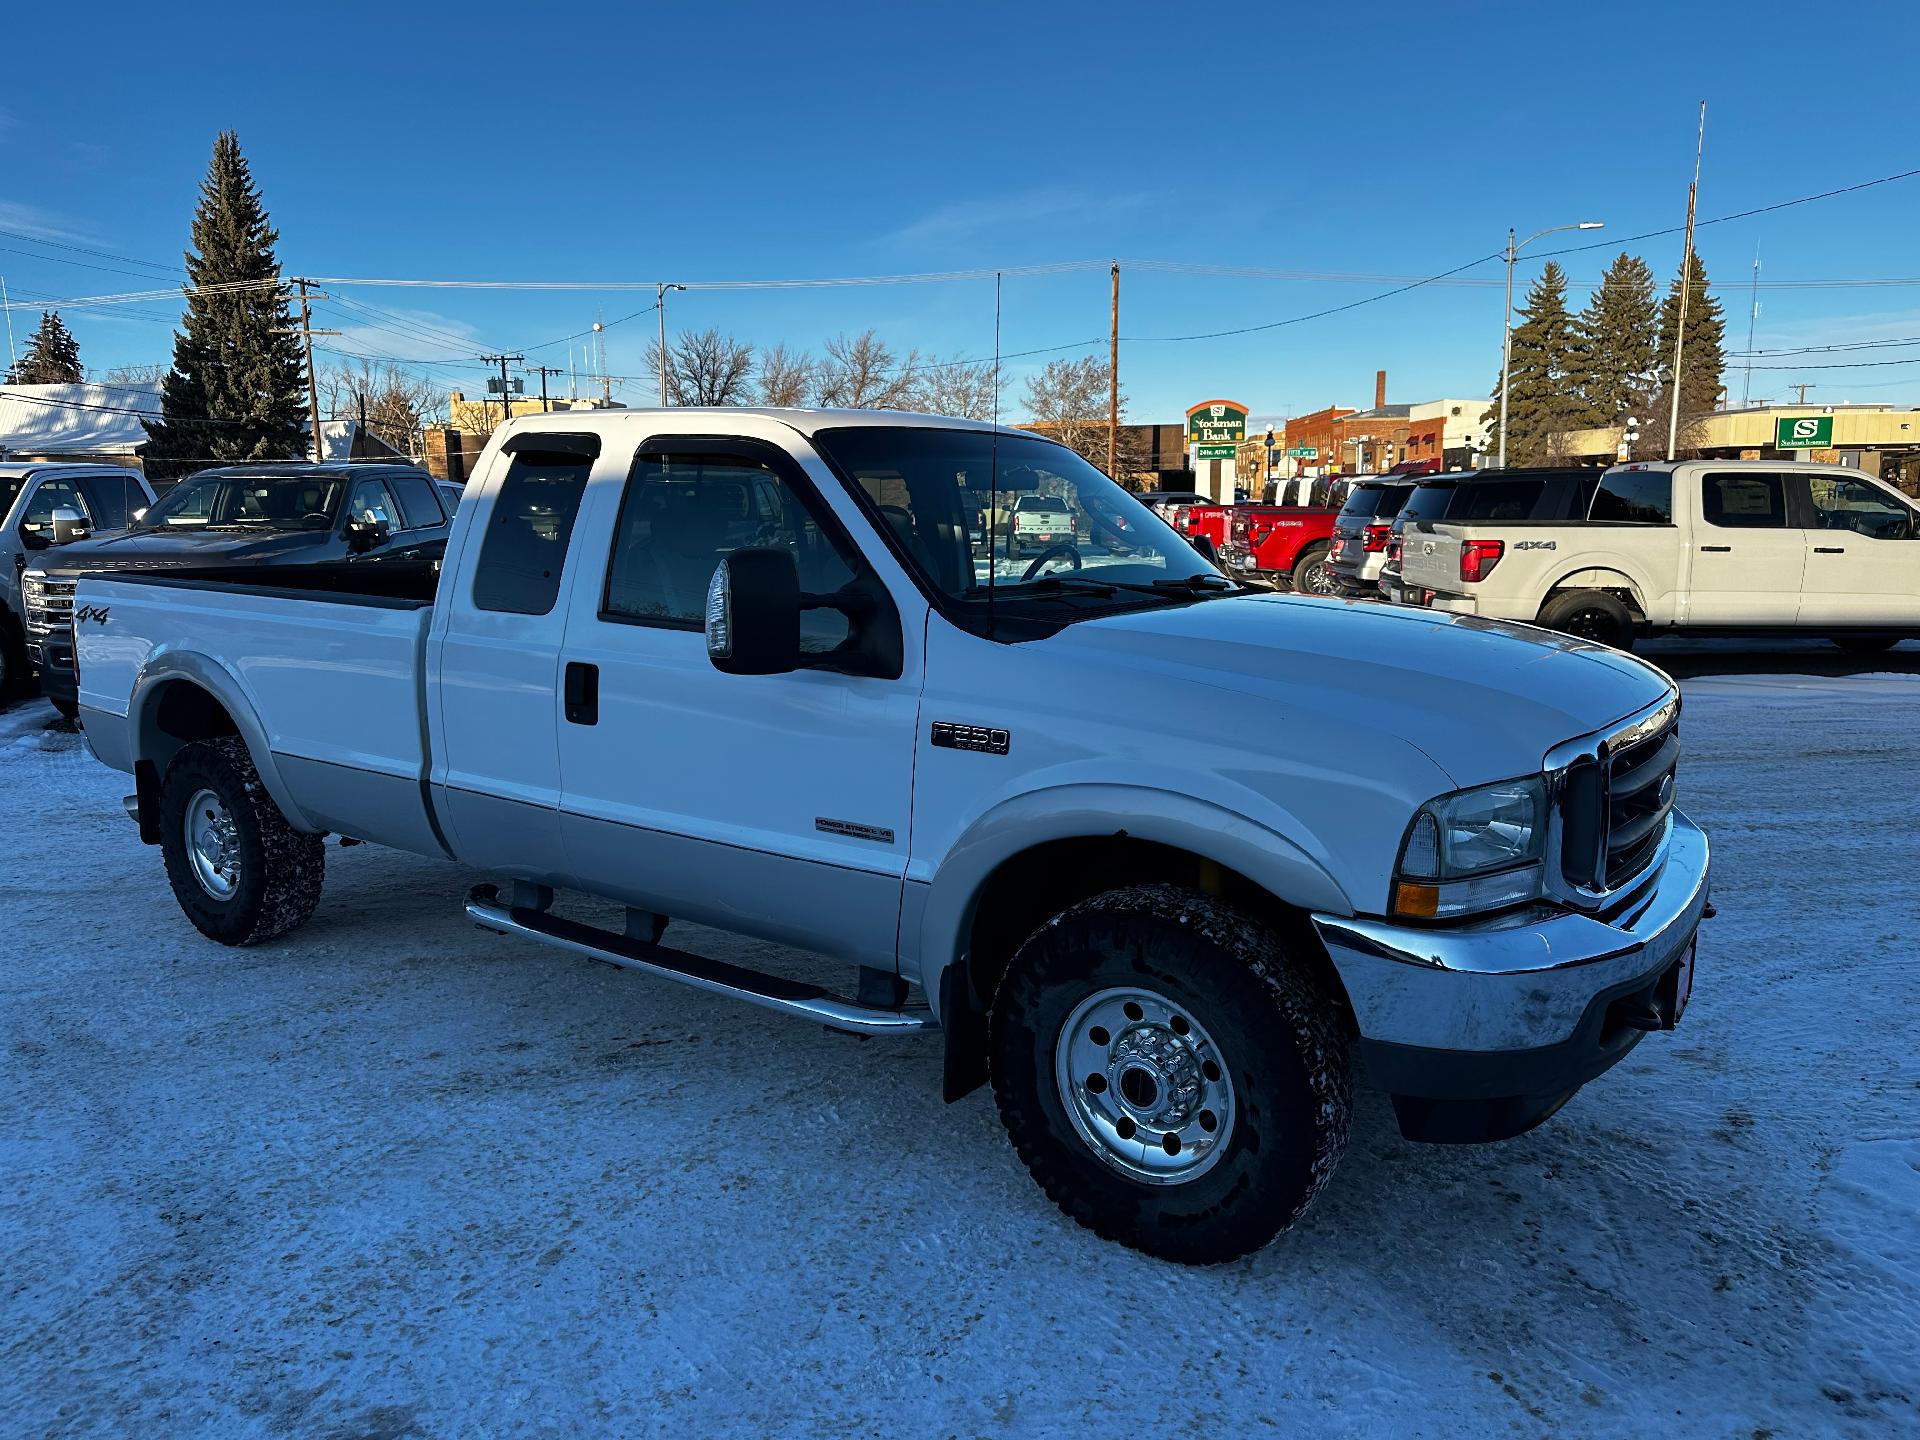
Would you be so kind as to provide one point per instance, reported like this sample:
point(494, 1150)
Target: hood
point(180, 549)
point(1483, 699)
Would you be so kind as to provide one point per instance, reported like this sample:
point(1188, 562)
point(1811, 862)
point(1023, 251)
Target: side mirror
point(1208, 550)
point(363, 535)
point(69, 525)
point(753, 613)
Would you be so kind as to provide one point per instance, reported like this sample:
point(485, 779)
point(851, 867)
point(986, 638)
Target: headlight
point(1473, 850)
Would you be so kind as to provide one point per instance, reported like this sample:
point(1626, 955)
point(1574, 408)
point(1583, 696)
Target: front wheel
point(1172, 1078)
point(241, 873)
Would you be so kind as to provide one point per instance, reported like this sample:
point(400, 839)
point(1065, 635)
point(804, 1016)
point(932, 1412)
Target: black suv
point(270, 514)
point(1544, 494)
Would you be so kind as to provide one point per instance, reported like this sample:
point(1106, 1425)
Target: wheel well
point(178, 715)
point(1606, 582)
point(1028, 889)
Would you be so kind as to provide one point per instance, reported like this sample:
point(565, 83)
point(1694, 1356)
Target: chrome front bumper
point(1515, 982)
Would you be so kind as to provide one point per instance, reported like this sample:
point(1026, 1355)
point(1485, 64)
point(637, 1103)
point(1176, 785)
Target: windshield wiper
point(1080, 587)
point(1087, 585)
point(1197, 583)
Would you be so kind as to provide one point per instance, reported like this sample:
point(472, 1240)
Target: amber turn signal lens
point(1412, 898)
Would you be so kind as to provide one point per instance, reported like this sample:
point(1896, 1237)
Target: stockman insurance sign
point(1215, 428)
point(1803, 432)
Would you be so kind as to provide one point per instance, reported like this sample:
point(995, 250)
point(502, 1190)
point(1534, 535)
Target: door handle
point(582, 693)
point(1717, 549)
point(1829, 549)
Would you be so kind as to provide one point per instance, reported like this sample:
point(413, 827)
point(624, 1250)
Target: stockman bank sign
point(1803, 432)
point(1215, 428)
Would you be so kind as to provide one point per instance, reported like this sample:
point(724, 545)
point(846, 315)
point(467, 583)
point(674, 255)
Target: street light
point(1506, 339)
point(660, 295)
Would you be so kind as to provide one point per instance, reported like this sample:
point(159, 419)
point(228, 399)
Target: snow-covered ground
point(394, 1176)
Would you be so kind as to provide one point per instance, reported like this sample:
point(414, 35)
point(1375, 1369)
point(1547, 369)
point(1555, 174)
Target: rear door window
point(419, 507)
point(1497, 500)
point(1634, 497)
point(114, 498)
point(528, 532)
point(1743, 500)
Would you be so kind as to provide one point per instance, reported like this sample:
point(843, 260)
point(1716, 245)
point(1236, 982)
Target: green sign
point(1216, 452)
point(1215, 423)
point(1305, 452)
point(1803, 432)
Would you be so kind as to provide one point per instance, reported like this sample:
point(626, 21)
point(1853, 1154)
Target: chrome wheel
point(1318, 579)
point(213, 845)
point(1144, 1085)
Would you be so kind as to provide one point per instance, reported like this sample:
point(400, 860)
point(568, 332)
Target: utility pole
point(506, 386)
point(660, 303)
point(543, 371)
point(306, 333)
point(1803, 391)
point(1686, 287)
point(1113, 382)
point(1753, 315)
point(13, 357)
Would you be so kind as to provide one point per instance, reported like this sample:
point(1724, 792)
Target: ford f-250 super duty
point(745, 668)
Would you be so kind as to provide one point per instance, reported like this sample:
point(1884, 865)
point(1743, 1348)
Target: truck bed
point(330, 658)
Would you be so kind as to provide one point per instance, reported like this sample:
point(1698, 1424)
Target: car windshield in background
point(1428, 502)
point(1027, 515)
point(1375, 502)
point(9, 491)
point(272, 502)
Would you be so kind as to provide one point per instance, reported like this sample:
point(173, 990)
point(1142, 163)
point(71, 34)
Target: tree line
point(1611, 363)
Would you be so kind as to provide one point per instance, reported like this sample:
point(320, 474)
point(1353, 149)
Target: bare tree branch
point(964, 389)
point(1068, 401)
point(786, 377)
point(861, 373)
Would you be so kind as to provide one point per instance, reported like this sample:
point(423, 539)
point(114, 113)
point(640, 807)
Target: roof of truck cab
point(805, 421)
point(269, 468)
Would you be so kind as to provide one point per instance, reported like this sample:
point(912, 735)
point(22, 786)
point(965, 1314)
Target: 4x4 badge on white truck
point(1537, 545)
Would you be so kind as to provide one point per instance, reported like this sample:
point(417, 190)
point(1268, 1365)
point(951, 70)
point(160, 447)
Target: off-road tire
point(1313, 561)
point(280, 869)
point(1589, 615)
point(1281, 1036)
point(1864, 644)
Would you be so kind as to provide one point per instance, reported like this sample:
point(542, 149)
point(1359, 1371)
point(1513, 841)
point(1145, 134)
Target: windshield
point(9, 491)
point(963, 512)
point(272, 502)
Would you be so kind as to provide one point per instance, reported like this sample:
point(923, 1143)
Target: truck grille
point(49, 604)
point(1614, 810)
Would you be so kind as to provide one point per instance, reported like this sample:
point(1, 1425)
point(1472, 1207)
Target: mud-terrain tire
point(1228, 989)
point(250, 876)
point(1313, 572)
point(1589, 615)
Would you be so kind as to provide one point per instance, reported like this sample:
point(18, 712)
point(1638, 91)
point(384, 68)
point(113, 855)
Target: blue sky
point(731, 142)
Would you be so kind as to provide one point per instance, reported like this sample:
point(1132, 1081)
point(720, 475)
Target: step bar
point(771, 992)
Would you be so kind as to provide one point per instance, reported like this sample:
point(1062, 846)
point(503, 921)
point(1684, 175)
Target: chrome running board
point(790, 997)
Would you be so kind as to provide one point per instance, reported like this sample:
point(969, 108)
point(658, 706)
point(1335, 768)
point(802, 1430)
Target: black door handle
point(1829, 549)
point(1717, 549)
point(582, 693)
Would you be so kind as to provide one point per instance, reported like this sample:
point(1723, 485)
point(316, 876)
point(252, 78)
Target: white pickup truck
point(1731, 547)
point(746, 668)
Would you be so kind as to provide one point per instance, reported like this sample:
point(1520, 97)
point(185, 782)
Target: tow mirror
point(363, 535)
point(753, 613)
point(69, 525)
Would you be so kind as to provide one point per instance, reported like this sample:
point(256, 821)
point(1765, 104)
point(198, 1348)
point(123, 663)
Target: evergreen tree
point(1619, 327)
point(52, 358)
point(1541, 400)
point(236, 390)
point(1702, 361)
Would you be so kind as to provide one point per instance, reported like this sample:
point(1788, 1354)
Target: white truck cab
point(753, 669)
point(1697, 546)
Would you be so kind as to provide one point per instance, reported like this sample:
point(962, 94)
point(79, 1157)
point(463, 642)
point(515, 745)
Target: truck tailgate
point(333, 681)
point(1430, 559)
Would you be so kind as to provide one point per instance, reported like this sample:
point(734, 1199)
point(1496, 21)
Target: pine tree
point(1620, 327)
point(1703, 360)
point(52, 358)
point(1541, 400)
point(236, 390)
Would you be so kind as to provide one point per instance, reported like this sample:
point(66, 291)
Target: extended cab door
point(775, 805)
point(1747, 555)
point(1863, 557)
point(495, 658)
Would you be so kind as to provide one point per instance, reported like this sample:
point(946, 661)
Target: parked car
point(43, 506)
point(1289, 542)
point(742, 670)
point(450, 493)
point(1039, 523)
point(1543, 493)
point(1361, 533)
point(272, 514)
point(1701, 547)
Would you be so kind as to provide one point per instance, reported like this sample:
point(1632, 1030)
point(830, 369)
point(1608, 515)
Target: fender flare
point(1092, 811)
point(224, 686)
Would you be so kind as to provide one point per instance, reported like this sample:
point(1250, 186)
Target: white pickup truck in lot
point(1735, 547)
point(741, 668)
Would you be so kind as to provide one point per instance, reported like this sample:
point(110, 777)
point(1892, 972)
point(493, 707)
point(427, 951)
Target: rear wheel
point(1172, 1078)
point(1590, 615)
point(241, 873)
point(1864, 644)
point(1313, 574)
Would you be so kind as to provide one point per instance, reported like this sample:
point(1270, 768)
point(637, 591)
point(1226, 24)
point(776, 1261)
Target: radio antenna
point(993, 468)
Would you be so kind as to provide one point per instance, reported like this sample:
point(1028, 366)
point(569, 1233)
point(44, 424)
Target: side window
point(1843, 504)
point(113, 500)
point(1497, 500)
point(418, 505)
point(52, 495)
point(1743, 500)
point(1635, 497)
point(527, 534)
point(682, 513)
point(372, 501)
